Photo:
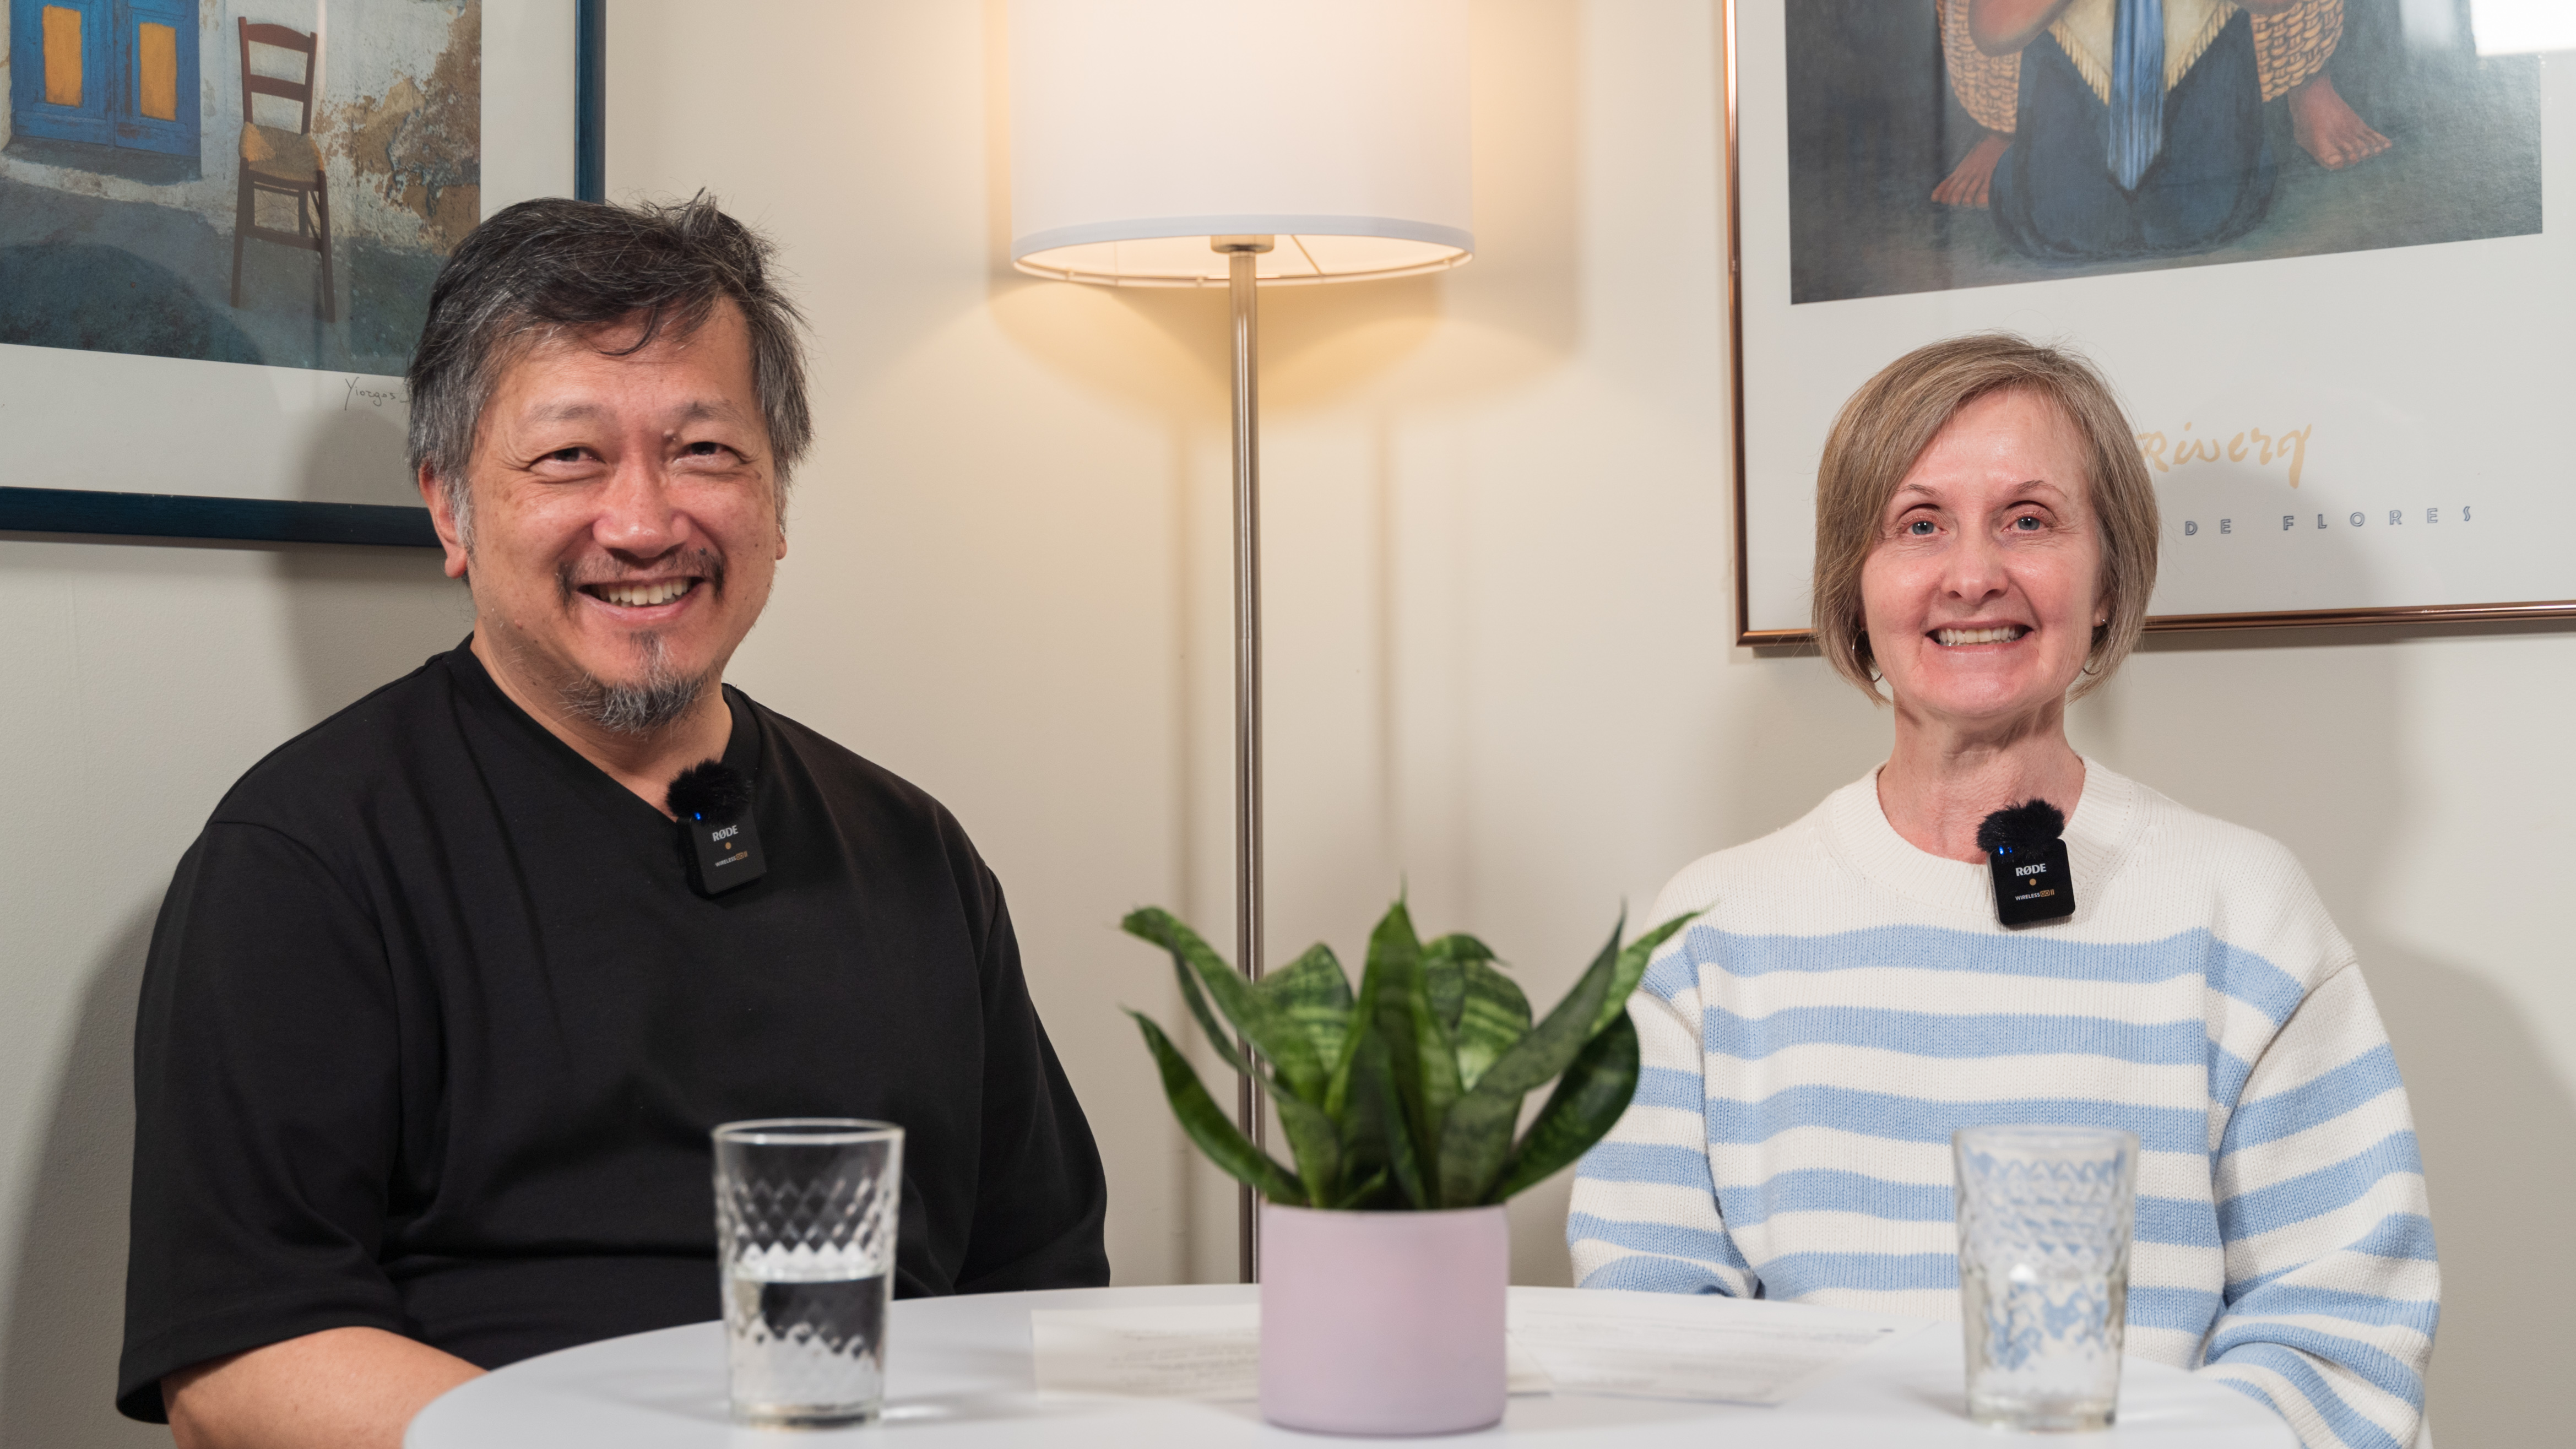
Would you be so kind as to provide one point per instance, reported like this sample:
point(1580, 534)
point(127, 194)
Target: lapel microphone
point(2026, 852)
point(713, 803)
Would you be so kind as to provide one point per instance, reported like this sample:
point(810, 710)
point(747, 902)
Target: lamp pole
point(1242, 256)
point(1347, 134)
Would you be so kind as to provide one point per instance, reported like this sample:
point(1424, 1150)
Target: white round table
point(958, 1374)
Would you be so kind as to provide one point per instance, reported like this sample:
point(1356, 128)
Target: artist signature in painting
point(376, 396)
point(2252, 446)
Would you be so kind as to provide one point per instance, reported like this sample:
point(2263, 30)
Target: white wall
point(1498, 619)
point(140, 680)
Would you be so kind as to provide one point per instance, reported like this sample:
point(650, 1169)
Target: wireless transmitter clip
point(2025, 849)
point(713, 803)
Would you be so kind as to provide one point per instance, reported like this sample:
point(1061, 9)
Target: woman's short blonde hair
point(1884, 429)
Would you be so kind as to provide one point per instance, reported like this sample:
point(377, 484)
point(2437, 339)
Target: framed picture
point(2322, 248)
point(219, 225)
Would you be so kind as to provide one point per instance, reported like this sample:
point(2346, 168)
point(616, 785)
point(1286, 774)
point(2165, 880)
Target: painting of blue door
point(107, 72)
point(134, 177)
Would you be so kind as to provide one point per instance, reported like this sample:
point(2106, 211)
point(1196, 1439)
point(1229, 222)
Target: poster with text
point(2310, 242)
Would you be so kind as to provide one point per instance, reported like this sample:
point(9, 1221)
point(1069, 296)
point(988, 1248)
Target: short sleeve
point(267, 1113)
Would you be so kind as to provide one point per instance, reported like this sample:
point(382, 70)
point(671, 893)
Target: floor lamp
point(1202, 143)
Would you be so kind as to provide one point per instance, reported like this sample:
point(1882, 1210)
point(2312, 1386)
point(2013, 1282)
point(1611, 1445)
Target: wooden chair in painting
point(282, 162)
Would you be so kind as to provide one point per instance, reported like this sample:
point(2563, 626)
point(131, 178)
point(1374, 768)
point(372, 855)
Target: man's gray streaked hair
point(555, 264)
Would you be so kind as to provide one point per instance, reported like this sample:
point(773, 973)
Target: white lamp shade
point(1141, 128)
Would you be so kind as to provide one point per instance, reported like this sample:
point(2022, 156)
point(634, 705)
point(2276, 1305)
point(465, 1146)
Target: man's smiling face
point(624, 519)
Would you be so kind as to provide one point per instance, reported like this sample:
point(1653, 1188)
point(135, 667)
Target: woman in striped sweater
point(1985, 545)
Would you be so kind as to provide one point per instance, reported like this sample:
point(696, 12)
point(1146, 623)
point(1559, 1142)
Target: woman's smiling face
point(1982, 590)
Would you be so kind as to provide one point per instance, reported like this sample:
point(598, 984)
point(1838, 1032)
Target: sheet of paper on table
point(1195, 1352)
point(1692, 1346)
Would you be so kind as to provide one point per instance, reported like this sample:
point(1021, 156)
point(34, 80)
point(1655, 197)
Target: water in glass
point(807, 1351)
point(2045, 1219)
point(806, 1212)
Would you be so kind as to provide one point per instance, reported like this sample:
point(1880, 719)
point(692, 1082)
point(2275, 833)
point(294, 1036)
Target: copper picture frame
point(2311, 228)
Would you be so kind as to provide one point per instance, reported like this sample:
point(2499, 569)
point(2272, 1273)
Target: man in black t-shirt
point(435, 1022)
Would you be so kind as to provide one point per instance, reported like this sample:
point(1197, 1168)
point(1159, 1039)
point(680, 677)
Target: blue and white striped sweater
point(1847, 1001)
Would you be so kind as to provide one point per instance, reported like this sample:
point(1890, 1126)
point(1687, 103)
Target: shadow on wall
point(1808, 715)
point(2312, 753)
point(2499, 1143)
point(66, 1323)
point(348, 620)
point(364, 617)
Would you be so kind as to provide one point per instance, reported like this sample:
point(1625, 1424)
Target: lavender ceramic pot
point(1383, 1323)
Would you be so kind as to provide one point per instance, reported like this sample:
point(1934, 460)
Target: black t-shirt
point(433, 1030)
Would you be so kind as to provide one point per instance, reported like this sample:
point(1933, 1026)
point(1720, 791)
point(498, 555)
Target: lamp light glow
point(1141, 128)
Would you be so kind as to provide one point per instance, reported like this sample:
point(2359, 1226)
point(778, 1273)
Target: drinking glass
point(805, 1240)
point(2045, 1215)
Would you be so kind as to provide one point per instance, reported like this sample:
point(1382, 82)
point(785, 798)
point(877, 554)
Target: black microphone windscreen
point(709, 790)
point(2019, 827)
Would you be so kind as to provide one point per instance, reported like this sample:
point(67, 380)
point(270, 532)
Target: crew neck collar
point(2097, 834)
point(742, 744)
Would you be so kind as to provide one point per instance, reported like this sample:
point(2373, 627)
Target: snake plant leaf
point(1422, 1061)
point(1550, 1045)
point(1394, 951)
point(1435, 1055)
point(1267, 1025)
point(1209, 1126)
point(1217, 1034)
point(1374, 1139)
point(1494, 1015)
point(1160, 928)
point(1312, 1139)
point(1362, 1195)
point(1581, 1111)
point(1444, 964)
point(1316, 996)
point(1316, 1144)
point(1477, 1139)
point(1338, 1096)
point(1391, 969)
point(1374, 1085)
point(1631, 968)
point(1478, 1134)
point(1366, 1112)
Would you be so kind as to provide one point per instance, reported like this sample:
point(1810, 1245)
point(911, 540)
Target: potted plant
point(1384, 1249)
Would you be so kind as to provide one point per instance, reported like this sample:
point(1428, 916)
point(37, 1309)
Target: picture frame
point(2319, 391)
point(288, 425)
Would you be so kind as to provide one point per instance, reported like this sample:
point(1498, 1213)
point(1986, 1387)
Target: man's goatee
point(646, 707)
